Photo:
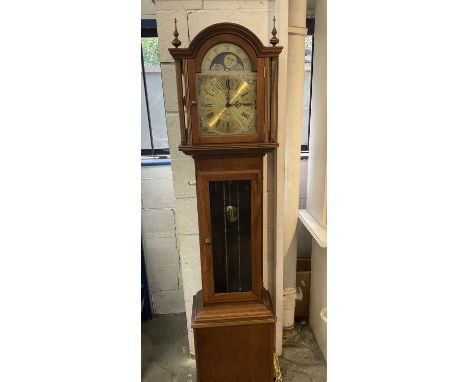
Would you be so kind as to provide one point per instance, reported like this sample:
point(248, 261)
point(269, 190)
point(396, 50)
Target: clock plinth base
point(234, 341)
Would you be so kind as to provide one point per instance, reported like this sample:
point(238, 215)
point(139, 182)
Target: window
point(154, 140)
point(308, 70)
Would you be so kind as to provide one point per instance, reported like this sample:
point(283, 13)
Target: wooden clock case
point(234, 332)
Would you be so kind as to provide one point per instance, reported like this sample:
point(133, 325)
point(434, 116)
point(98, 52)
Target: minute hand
point(239, 91)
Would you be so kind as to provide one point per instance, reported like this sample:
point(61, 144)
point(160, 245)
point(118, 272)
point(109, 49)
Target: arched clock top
point(244, 55)
point(231, 29)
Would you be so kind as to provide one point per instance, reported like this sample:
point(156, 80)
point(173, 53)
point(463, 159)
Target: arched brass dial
point(226, 92)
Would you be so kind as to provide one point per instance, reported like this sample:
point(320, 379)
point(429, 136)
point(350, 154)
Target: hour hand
point(228, 87)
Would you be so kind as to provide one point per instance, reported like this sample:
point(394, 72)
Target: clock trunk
point(230, 222)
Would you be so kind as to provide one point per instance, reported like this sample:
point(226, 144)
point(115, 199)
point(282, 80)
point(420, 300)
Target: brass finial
point(274, 40)
point(176, 42)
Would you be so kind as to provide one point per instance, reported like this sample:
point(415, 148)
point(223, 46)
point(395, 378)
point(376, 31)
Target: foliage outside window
point(150, 46)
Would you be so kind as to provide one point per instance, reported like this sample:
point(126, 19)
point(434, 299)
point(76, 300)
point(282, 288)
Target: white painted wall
point(159, 240)
point(318, 294)
point(316, 177)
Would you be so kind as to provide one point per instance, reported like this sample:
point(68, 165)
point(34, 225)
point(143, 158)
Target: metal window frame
point(149, 29)
point(310, 24)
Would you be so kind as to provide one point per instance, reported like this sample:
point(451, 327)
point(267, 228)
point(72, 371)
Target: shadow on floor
point(165, 355)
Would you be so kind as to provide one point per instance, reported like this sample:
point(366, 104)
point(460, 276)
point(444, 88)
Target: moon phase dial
point(226, 57)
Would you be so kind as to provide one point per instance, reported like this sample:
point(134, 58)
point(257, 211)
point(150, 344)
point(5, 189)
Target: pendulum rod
point(225, 237)
point(230, 204)
point(238, 235)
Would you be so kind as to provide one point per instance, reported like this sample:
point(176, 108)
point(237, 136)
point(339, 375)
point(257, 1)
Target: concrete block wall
point(193, 16)
point(163, 269)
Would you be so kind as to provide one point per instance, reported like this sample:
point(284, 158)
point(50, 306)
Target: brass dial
point(226, 92)
point(227, 103)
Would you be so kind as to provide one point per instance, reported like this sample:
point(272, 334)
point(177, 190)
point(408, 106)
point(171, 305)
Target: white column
point(281, 12)
point(316, 177)
point(295, 85)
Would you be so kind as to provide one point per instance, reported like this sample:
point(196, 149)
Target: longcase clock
point(227, 84)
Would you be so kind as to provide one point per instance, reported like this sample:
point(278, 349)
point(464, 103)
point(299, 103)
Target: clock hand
point(239, 91)
point(228, 86)
point(216, 89)
point(215, 119)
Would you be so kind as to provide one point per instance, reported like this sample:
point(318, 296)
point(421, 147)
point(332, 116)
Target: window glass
point(154, 92)
point(306, 96)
